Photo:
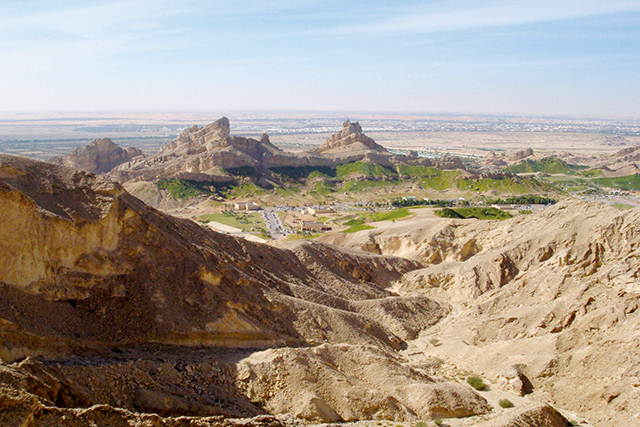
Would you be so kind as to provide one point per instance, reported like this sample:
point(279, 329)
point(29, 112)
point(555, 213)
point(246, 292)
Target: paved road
point(273, 223)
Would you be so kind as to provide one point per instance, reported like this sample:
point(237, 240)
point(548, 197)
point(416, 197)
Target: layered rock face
point(118, 305)
point(100, 156)
point(555, 294)
point(206, 154)
point(350, 138)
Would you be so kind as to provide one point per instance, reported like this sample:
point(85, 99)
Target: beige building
point(316, 211)
point(246, 206)
point(314, 226)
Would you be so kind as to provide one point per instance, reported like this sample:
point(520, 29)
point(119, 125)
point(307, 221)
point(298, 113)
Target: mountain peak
point(350, 136)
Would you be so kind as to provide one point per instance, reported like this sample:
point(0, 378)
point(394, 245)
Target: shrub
point(505, 403)
point(476, 383)
point(421, 424)
point(438, 421)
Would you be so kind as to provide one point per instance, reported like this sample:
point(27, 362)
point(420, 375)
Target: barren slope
point(118, 304)
point(556, 293)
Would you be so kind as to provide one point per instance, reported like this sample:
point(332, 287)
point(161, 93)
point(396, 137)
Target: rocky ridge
point(111, 310)
point(208, 153)
point(553, 294)
point(100, 156)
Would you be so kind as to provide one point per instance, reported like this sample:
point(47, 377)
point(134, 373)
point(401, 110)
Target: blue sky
point(551, 57)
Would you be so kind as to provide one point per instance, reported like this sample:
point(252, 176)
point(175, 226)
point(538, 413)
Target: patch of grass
point(287, 173)
point(248, 222)
point(471, 212)
point(476, 383)
point(626, 183)
point(421, 424)
point(389, 216)
point(358, 186)
point(507, 184)
point(546, 165)
point(505, 403)
point(591, 173)
point(180, 188)
point(440, 180)
point(622, 206)
point(363, 168)
point(357, 227)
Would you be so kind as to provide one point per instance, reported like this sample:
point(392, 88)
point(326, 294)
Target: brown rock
point(100, 156)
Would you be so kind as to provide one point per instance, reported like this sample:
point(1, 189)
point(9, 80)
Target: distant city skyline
point(564, 58)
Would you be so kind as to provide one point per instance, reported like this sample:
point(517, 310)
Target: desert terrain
point(131, 296)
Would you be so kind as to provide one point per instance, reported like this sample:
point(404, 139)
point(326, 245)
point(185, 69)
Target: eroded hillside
point(106, 301)
point(554, 293)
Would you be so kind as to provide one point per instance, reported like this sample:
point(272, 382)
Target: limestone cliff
point(114, 298)
point(350, 138)
point(208, 153)
point(555, 294)
point(100, 156)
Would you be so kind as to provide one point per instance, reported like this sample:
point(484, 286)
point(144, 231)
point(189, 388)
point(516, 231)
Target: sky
point(533, 57)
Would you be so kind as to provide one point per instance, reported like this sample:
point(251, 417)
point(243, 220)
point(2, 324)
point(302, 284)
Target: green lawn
point(389, 216)
point(243, 221)
point(479, 213)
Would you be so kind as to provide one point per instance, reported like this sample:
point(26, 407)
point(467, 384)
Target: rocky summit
point(208, 154)
point(350, 138)
point(100, 156)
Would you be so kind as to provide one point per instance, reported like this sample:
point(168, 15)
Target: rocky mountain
point(554, 294)
point(209, 153)
point(111, 310)
point(100, 156)
point(350, 138)
point(622, 163)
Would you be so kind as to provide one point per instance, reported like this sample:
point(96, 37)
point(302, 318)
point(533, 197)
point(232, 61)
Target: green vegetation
point(626, 183)
point(357, 186)
point(473, 212)
point(440, 180)
point(505, 403)
point(523, 200)
point(438, 421)
point(181, 188)
point(591, 173)
point(389, 216)
point(360, 223)
point(421, 202)
point(476, 383)
point(421, 424)
point(503, 184)
point(622, 206)
point(287, 173)
point(358, 227)
point(546, 165)
point(247, 222)
point(363, 168)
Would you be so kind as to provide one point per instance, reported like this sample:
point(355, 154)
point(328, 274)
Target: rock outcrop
point(350, 138)
point(555, 293)
point(123, 310)
point(208, 154)
point(100, 156)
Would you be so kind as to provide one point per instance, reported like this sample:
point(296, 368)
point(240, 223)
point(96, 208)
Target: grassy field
point(626, 183)
point(362, 221)
point(248, 222)
point(479, 213)
point(546, 165)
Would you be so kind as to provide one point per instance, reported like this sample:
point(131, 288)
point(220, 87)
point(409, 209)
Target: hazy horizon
point(576, 59)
